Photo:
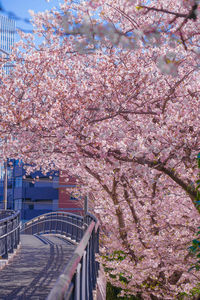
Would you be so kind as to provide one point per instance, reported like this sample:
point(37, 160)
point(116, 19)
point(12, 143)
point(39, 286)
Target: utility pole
point(5, 185)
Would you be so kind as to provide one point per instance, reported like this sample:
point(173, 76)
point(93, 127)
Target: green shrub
point(113, 291)
point(195, 247)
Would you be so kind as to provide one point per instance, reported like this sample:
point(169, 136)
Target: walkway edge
point(4, 262)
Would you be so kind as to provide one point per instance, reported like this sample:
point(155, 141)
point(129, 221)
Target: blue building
point(32, 195)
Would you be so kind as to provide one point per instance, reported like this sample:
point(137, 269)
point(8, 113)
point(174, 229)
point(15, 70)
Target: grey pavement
point(34, 270)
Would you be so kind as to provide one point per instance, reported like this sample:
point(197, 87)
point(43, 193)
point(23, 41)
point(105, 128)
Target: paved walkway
point(34, 270)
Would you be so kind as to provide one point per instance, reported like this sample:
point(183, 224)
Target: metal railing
point(80, 275)
point(9, 232)
point(67, 224)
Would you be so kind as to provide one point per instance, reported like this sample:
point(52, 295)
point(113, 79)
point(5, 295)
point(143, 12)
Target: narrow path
point(33, 272)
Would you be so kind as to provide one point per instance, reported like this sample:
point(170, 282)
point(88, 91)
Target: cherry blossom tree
point(135, 24)
point(126, 121)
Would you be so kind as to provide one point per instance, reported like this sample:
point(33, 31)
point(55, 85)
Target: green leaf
point(138, 7)
point(191, 248)
point(197, 267)
point(196, 242)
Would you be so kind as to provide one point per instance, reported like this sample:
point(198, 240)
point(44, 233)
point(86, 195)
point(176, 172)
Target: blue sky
point(20, 9)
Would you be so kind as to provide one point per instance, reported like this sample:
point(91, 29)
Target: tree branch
point(178, 15)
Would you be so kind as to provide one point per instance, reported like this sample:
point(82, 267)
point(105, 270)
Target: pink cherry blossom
point(125, 120)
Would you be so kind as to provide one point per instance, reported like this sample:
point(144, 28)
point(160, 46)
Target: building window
point(10, 173)
point(31, 206)
point(74, 196)
point(18, 204)
point(9, 185)
point(18, 182)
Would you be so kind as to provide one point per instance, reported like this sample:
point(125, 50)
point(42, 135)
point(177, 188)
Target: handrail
point(9, 232)
point(7, 214)
point(6, 234)
point(50, 214)
point(44, 221)
point(79, 276)
point(67, 224)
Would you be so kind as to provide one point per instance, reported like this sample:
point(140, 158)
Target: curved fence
point(67, 224)
point(9, 232)
point(79, 276)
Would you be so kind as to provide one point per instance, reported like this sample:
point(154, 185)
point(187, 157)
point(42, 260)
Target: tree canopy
point(112, 95)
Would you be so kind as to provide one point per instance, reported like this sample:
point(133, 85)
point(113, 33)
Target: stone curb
point(5, 262)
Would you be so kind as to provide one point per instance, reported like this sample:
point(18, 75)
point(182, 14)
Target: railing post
point(11, 237)
point(9, 230)
point(97, 250)
point(87, 272)
point(73, 229)
point(84, 277)
point(5, 256)
point(50, 224)
point(56, 222)
point(44, 227)
point(31, 229)
point(90, 282)
point(78, 283)
point(18, 230)
point(14, 233)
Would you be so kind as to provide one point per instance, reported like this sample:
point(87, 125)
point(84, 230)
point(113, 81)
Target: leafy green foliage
point(198, 183)
point(117, 255)
point(195, 248)
point(113, 291)
point(193, 294)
